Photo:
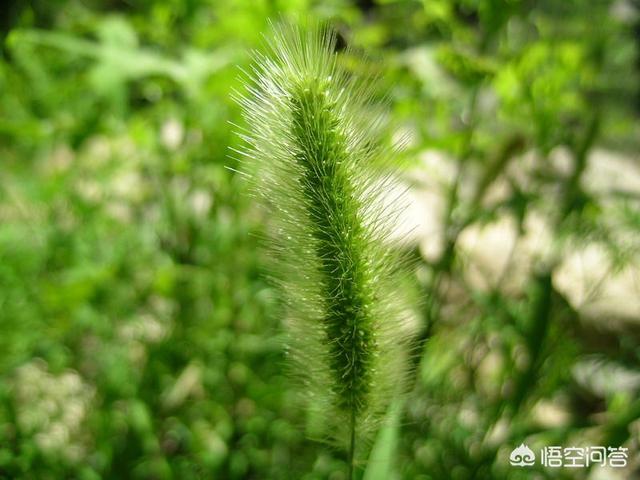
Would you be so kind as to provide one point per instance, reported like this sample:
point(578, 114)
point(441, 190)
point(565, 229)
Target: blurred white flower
point(171, 134)
point(592, 285)
point(52, 409)
point(200, 201)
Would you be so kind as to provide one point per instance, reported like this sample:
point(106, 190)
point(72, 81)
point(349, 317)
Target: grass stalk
point(352, 447)
point(319, 168)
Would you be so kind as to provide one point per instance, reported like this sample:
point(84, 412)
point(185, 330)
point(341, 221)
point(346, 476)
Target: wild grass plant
point(316, 164)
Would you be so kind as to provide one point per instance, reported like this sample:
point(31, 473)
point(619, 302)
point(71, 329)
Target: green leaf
point(381, 465)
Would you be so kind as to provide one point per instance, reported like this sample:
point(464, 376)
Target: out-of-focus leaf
point(381, 464)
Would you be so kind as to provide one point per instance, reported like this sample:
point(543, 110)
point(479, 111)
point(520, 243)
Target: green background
point(139, 337)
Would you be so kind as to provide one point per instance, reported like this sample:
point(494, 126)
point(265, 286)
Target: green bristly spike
point(317, 165)
point(337, 231)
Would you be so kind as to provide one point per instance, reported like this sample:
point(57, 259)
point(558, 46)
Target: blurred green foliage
point(139, 337)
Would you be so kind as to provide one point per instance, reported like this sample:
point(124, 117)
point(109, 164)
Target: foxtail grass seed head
point(316, 162)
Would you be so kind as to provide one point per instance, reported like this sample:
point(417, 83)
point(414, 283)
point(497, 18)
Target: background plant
point(139, 339)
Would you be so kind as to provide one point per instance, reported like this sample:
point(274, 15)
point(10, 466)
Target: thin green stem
point(352, 447)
